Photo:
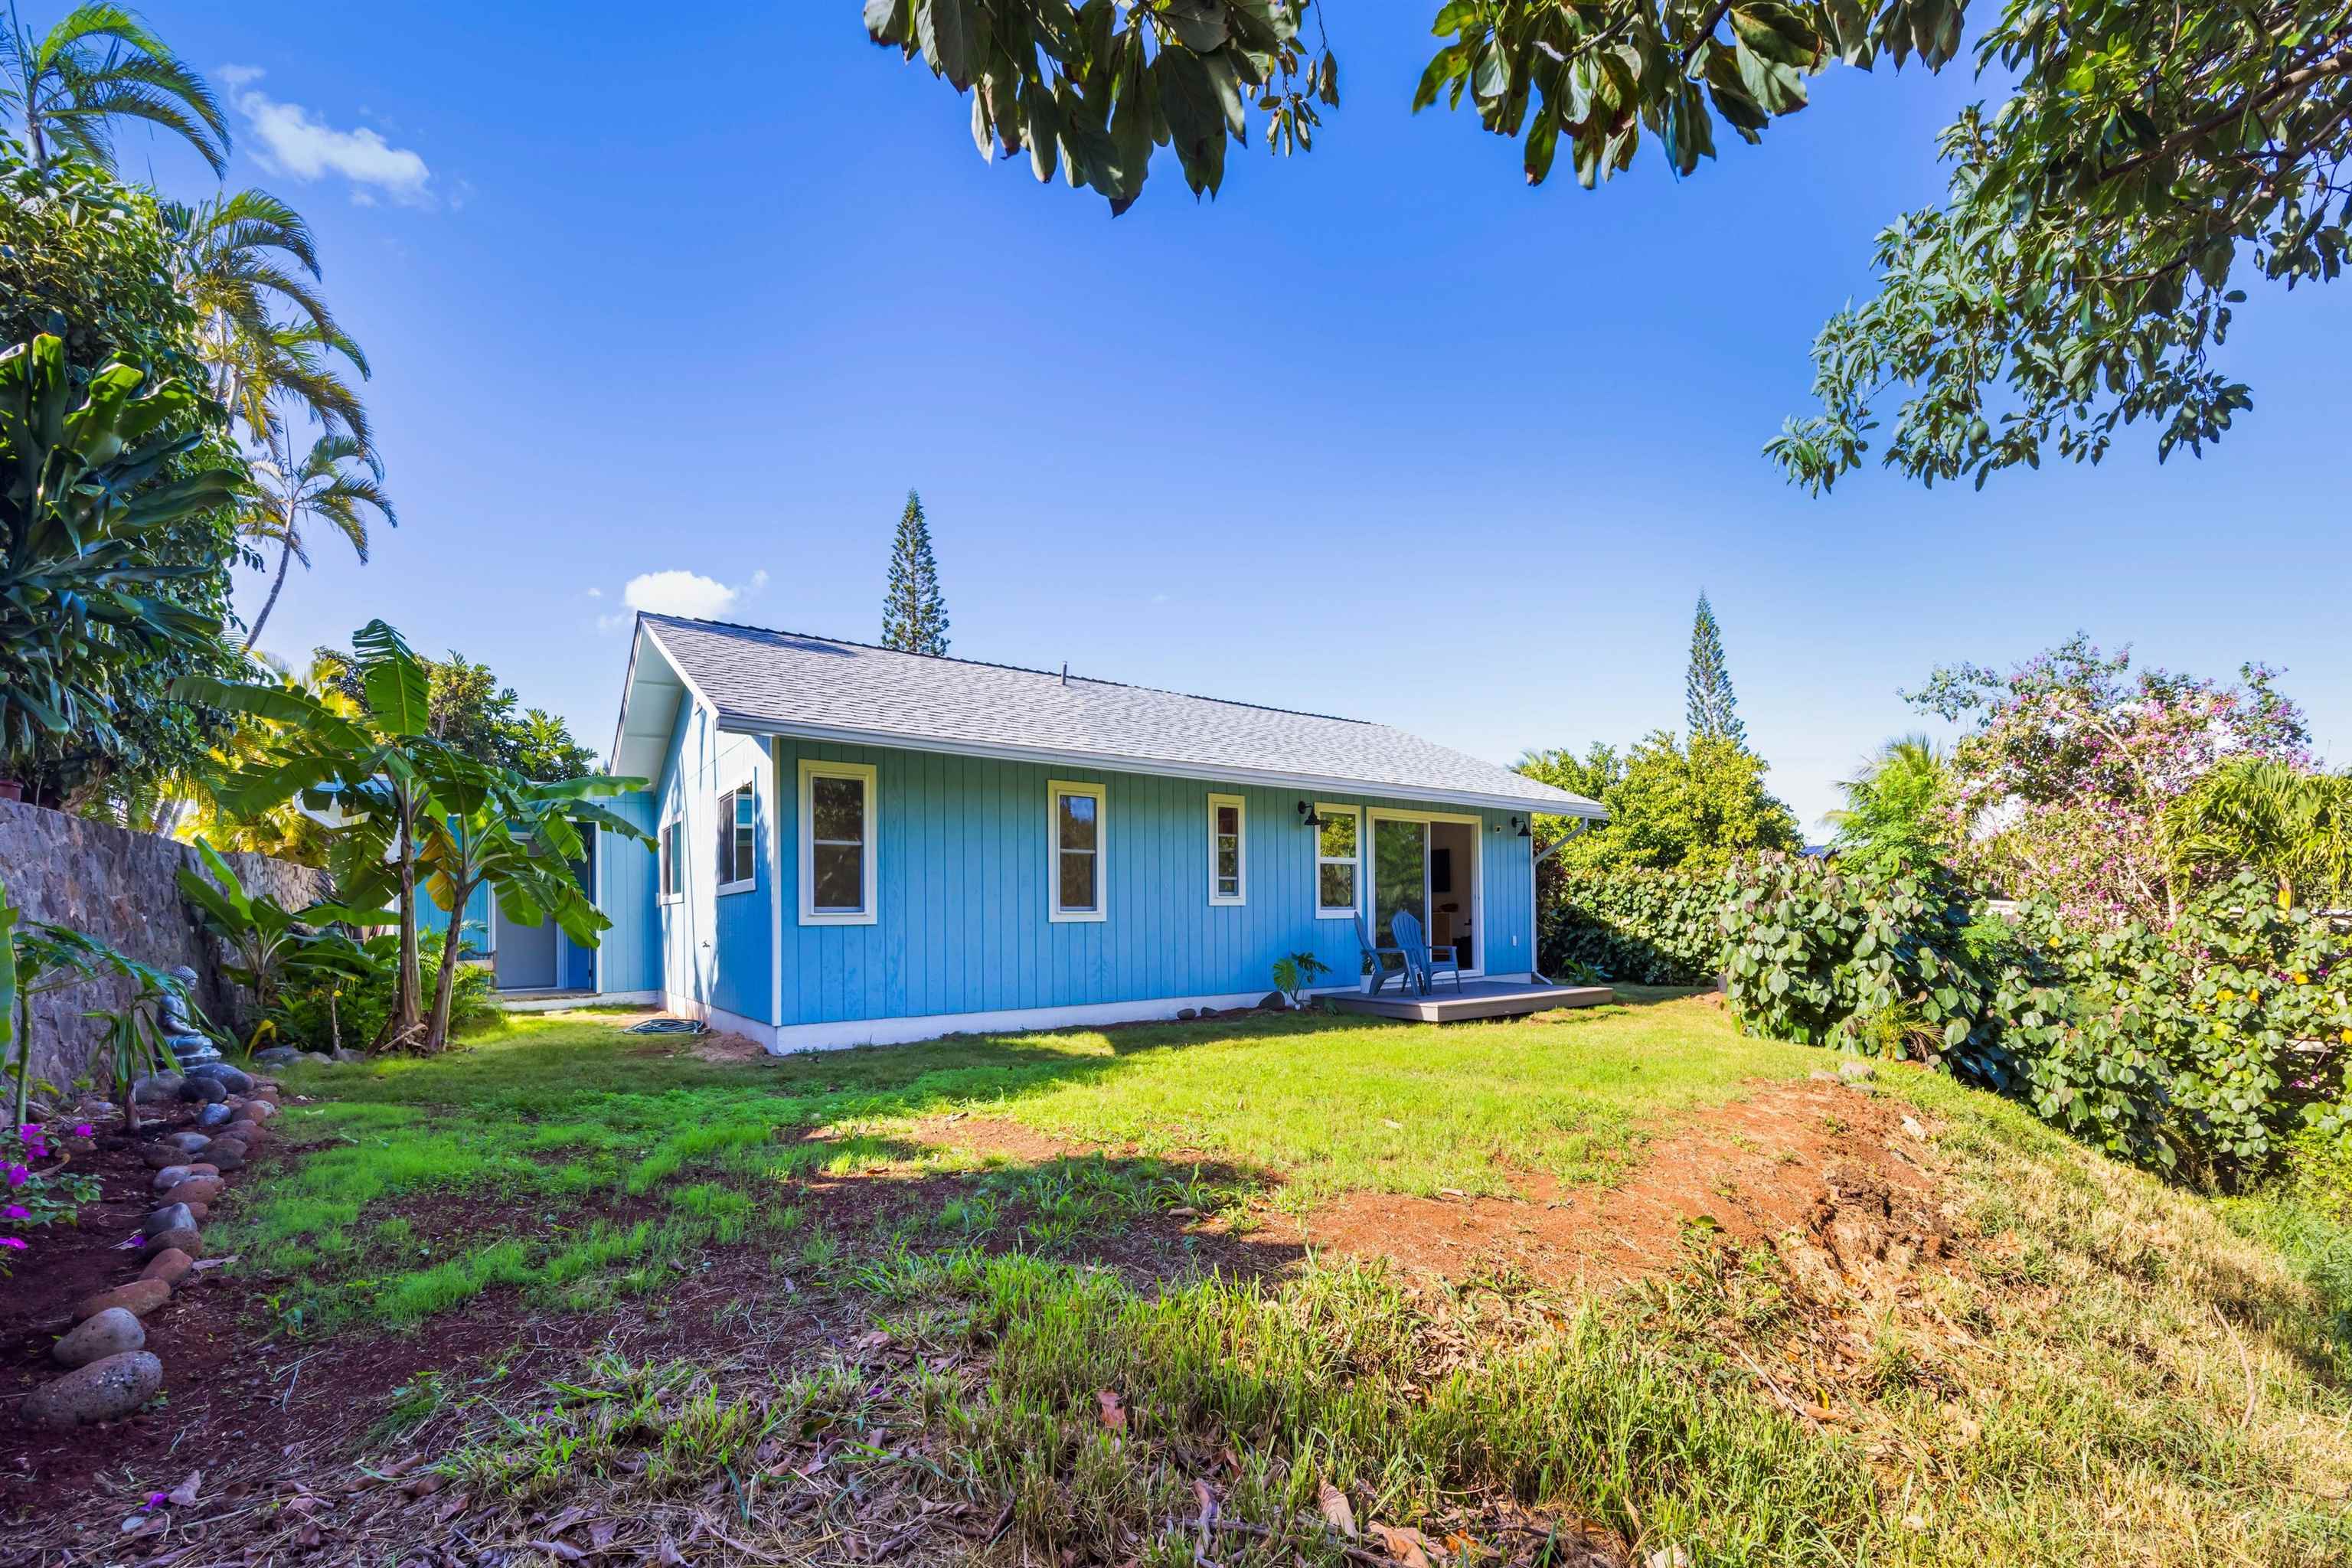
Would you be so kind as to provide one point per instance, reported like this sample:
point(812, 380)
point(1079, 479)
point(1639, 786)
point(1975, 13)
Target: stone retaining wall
point(120, 887)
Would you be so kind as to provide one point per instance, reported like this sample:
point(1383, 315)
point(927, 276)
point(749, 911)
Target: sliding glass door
point(1400, 874)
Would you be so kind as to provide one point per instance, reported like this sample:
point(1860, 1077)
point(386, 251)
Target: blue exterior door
point(526, 955)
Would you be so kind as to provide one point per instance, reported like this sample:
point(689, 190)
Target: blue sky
point(1380, 432)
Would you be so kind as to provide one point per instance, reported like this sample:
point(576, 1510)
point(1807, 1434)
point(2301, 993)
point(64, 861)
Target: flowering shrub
point(2075, 758)
point(1648, 928)
point(35, 1189)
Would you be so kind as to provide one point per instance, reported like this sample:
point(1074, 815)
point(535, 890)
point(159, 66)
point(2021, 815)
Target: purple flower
point(19, 1175)
point(13, 1243)
point(16, 1211)
point(83, 1130)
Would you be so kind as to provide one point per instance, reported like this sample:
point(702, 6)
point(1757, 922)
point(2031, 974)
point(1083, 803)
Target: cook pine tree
point(1713, 710)
point(914, 617)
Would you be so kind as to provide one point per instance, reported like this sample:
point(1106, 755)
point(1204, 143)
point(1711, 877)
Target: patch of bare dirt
point(1754, 1170)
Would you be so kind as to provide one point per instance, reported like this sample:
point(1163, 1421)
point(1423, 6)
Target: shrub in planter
point(1648, 927)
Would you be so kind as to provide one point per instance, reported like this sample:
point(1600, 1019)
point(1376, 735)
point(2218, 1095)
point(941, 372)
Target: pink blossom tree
point(2064, 781)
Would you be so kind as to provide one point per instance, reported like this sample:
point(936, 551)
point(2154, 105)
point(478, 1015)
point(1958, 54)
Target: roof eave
point(1566, 805)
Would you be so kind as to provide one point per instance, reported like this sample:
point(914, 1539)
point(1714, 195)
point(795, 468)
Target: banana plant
point(359, 767)
point(406, 802)
point(264, 935)
point(83, 489)
point(519, 837)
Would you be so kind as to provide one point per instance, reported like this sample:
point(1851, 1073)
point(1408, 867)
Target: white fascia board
point(1155, 767)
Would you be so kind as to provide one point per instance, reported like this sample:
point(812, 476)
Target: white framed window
point(839, 822)
point(1228, 849)
point(1074, 842)
point(738, 856)
point(673, 873)
point(1339, 861)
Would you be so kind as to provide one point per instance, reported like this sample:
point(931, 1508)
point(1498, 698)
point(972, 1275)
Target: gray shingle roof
point(786, 683)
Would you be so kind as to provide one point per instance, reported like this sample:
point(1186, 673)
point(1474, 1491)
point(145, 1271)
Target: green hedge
point(2202, 1050)
point(2199, 1050)
point(1646, 928)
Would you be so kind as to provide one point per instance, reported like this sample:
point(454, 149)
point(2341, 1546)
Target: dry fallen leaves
point(1336, 1510)
point(1113, 1409)
point(1406, 1544)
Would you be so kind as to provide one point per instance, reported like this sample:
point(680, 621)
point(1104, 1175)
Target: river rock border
point(109, 1373)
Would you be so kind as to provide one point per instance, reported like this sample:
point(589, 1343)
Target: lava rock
point(161, 1155)
point(184, 1236)
point(99, 1335)
point(257, 1110)
point(1188, 1012)
point(212, 1117)
point(276, 1056)
point(139, 1298)
point(171, 1215)
point(170, 1177)
point(233, 1080)
point(1273, 999)
point(1855, 1070)
point(196, 1090)
point(226, 1154)
point(168, 1266)
point(193, 1190)
point(102, 1391)
point(185, 1143)
point(157, 1089)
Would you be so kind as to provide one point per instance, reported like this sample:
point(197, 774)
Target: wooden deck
point(1476, 999)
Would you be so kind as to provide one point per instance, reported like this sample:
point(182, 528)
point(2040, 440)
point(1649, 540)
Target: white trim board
point(527, 1002)
point(1022, 1020)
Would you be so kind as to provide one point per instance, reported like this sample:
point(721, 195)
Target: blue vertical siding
point(629, 953)
point(962, 887)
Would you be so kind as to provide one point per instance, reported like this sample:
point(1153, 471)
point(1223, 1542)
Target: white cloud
point(680, 592)
point(596, 593)
point(288, 139)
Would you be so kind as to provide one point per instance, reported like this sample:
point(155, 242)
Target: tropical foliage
point(1693, 805)
point(2074, 760)
point(1900, 810)
point(86, 485)
point(468, 710)
point(2099, 223)
point(338, 482)
point(412, 807)
point(265, 939)
point(1645, 927)
point(2290, 824)
point(98, 64)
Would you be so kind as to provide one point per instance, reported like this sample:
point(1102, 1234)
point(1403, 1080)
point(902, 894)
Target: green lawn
point(2103, 1370)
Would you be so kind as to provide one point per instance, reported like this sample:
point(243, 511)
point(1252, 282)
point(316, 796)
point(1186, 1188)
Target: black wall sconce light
point(1306, 817)
point(1520, 827)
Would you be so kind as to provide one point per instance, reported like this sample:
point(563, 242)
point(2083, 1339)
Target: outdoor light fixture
point(1306, 817)
point(1519, 826)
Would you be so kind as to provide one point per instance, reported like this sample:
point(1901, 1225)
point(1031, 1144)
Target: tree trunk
point(276, 587)
point(24, 1055)
point(445, 983)
point(400, 1029)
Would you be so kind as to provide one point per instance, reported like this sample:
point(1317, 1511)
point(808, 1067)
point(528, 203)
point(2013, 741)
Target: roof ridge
point(1016, 668)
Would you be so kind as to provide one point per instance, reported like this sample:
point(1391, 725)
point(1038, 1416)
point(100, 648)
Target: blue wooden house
point(862, 846)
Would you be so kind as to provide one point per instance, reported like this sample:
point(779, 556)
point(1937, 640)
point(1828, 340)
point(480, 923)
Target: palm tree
point(2293, 827)
point(230, 257)
point(101, 64)
point(338, 482)
point(1900, 809)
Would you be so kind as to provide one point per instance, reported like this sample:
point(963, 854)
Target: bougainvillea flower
point(19, 1175)
point(13, 1243)
point(16, 1211)
point(84, 1130)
